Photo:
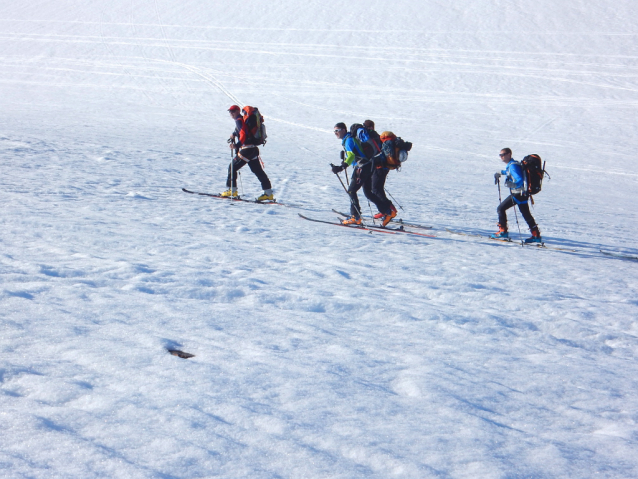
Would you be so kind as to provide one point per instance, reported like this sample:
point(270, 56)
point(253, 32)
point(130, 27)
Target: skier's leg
point(527, 215)
point(237, 164)
point(502, 212)
point(355, 186)
point(376, 192)
point(257, 169)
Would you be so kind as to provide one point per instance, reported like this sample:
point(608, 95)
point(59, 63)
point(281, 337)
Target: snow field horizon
point(319, 351)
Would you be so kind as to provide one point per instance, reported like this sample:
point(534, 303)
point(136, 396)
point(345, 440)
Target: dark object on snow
point(180, 354)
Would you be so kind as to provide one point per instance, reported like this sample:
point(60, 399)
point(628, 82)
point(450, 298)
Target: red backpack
point(254, 127)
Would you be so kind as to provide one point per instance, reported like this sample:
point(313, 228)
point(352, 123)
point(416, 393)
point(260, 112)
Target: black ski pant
point(379, 176)
point(523, 207)
point(362, 178)
point(254, 163)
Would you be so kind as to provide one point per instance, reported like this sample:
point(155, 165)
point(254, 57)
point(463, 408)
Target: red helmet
point(234, 108)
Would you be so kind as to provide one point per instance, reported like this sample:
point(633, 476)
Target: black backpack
point(534, 172)
point(366, 146)
point(392, 150)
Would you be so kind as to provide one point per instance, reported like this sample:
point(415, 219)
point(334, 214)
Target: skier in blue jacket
point(515, 181)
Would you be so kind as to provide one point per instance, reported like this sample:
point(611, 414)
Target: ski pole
point(231, 141)
point(340, 180)
point(343, 155)
point(386, 190)
point(346, 190)
point(520, 235)
point(498, 182)
point(371, 213)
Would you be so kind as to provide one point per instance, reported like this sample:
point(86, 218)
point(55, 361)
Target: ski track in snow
point(318, 351)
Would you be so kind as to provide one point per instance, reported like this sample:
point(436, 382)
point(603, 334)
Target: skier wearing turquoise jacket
point(515, 181)
point(361, 178)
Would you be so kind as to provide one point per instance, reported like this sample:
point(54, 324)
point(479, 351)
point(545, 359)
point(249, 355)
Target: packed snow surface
point(319, 351)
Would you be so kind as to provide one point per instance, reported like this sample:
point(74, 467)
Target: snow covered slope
point(319, 351)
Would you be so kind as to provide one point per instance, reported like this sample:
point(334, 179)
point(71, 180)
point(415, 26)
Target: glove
point(497, 176)
point(336, 169)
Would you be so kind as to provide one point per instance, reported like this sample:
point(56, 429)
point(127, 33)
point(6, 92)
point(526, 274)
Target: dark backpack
point(255, 126)
point(367, 146)
point(392, 150)
point(534, 172)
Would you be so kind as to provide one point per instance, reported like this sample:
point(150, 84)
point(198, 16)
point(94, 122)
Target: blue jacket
point(353, 152)
point(514, 175)
point(515, 179)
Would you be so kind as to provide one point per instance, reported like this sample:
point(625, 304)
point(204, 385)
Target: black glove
point(337, 169)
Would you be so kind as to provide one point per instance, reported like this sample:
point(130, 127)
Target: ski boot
point(230, 193)
point(535, 238)
point(266, 196)
point(353, 220)
point(387, 218)
point(502, 234)
point(380, 215)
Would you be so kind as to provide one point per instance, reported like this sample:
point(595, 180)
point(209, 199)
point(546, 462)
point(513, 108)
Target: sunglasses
point(502, 154)
point(337, 131)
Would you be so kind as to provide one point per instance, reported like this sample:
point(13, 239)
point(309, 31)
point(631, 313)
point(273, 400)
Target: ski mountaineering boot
point(387, 218)
point(502, 233)
point(266, 197)
point(380, 215)
point(536, 236)
point(353, 220)
point(230, 193)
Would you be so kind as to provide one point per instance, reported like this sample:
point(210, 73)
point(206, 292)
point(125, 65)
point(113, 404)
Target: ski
point(370, 228)
point(619, 255)
point(212, 195)
point(509, 240)
point(394, 221)
point(356, 227)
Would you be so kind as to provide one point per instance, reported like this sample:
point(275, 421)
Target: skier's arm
point(516, 175)
point(350, 158)
point(349, 147)
point(239, 125)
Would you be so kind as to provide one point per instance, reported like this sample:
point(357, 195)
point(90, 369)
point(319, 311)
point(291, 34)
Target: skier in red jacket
point(247, 152)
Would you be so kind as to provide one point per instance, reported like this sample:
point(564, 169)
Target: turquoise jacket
point(354, 153)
